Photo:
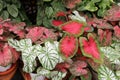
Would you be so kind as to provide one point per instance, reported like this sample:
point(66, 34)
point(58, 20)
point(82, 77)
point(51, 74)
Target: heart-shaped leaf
point(28, 57)
point(29, 52)
point(68, 46)
point(90, 48)
point(73, 27)
point(49, 55)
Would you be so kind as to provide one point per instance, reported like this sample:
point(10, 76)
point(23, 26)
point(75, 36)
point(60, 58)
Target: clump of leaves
point(9, 29)
point(40, 34)
point(8, 55)
point(46, 13)
point(113, 14)
point(99, 6)
point(12, 9)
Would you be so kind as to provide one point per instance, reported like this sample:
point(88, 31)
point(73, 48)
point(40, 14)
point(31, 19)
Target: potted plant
point(8, 55)
point(83, 43)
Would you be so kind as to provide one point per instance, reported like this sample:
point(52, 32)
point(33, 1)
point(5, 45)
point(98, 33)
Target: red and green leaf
point(78, 68)
point(57, 22)
point(73, 27)
point(5, 56)
point(90, 48)
point(68, 46)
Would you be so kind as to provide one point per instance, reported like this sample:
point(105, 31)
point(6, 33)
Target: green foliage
point(12, 9)
point(47, 11)
point(99, 6)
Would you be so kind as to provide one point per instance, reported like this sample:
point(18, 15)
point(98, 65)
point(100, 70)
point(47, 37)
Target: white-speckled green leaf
point(112, 52)
point(105, 73)
point(28, 57)
point(59, 76)
point(49, 55)
point(29, 52)
point(20, 45)
point(44, 72)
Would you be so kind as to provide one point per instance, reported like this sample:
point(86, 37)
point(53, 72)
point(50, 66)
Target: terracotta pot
point(8, 74)
point(26, 76)
point(30, 76)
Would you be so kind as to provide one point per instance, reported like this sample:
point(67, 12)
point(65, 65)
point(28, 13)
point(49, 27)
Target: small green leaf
point(91, 7)
point(49, 11)
point(5, 14)
point(12, 9)
point(40, 15)
point(1, 6)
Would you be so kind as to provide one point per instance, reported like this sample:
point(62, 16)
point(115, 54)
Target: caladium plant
point(45, 54)
point(76, 51)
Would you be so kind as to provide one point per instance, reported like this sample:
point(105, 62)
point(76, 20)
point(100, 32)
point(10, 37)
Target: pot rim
point(11, 69)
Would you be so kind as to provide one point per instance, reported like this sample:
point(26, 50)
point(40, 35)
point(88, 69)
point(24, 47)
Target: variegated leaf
point(59, 76)
point(20, 45)
point(28, 57)
point(112, 52)
point(105, 73)
point(49, 55)
point(44, 72)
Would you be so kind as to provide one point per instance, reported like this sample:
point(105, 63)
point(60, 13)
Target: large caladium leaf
point(68, 46)
point(29, 52)
point(106, 74)
point(73, 27)
point(28, 57)
point(49, 55)
point(90, 48)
